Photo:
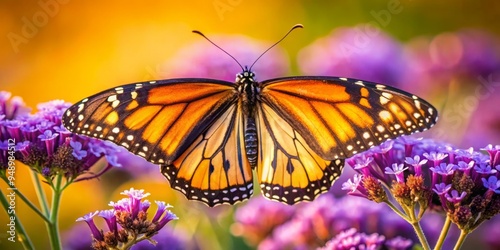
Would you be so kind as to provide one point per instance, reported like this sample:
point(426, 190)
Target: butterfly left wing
point(156, 120)
point(215, 169)
point(288, 169)
point(192, 127)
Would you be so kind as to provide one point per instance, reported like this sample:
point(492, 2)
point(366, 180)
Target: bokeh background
point(447, 52)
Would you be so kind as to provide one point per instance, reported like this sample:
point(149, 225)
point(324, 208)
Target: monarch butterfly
point(209, 135)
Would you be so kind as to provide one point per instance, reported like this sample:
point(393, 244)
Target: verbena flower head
point(352, 239)
point(258, 218)
point(127, 221)
point(77, 238)
point(462, 182)
point(313, 224)
point(12, 107)
point(42, 142)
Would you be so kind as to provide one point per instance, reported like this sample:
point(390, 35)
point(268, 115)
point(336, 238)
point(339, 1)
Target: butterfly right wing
point(157, 120)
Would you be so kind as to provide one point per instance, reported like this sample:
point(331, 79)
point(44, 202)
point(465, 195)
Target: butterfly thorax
point(249, 89)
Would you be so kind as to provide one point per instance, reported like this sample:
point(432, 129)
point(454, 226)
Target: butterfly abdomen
point(251, 141)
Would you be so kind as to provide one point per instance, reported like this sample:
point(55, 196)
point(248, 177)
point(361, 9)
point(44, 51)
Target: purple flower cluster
point(127, 222)
point(311, 225)
point(259, 217)
point(352, 239)
point(463, 183)
point(42, 142)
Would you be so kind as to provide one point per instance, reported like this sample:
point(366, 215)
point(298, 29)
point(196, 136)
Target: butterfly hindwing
point(157, 120)
point(215, 169)
point(289, 170)
point(339, 117)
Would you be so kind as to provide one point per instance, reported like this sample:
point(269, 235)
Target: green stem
point(443, 234)
point(53, 226)
point(415, 223)
point(420, 234)
point(461, 240)
point(42, 199)
point(22, 236)
point(396, 210)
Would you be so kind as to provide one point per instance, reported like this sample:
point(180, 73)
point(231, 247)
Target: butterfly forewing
point(339, 117)
point(157, 120)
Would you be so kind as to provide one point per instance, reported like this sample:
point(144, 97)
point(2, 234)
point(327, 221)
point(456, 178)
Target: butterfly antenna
point(276, 43)
point(201, 34)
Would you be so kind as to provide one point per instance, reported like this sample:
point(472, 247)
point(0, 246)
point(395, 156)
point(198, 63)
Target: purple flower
point(89, 219)
point(11, 108)
point(464, 167)
point(444, 169)
point(133, 204)
point(353, 185)
point(492, 184)
point(435, 157)
point(109, 217)
point(397, 170)
point(128, 220)
point(442, 188)
point(484, 168)
point(399, 243)
point(351, 239)
point(494, 152)
point(455, 197)
point(315, 223)
point(168, 239)
point(457, 180)
point(416, 163)
point(258, 218)
point(362, 163)
point(48, 137)
point(46, 146)
point(162, 211)
point(78, 153)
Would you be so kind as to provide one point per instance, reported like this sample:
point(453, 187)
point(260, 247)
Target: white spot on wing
point(111, 98)
point(366, 135)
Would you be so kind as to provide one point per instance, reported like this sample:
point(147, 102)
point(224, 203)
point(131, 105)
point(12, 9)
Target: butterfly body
point(209, 135)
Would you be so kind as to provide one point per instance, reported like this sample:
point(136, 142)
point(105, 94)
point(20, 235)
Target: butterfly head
point(246, 76)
